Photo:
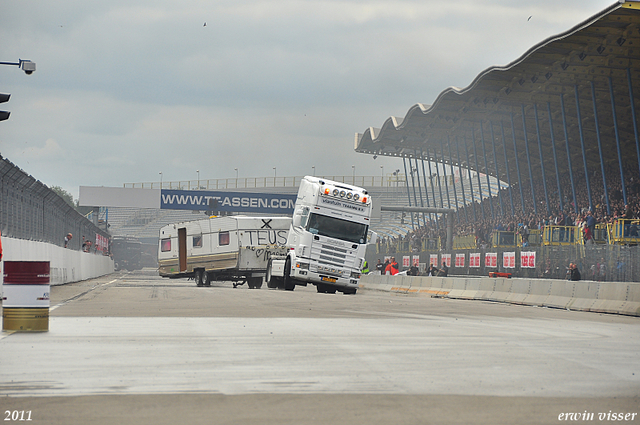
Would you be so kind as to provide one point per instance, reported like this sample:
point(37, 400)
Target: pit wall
point(66, 265)
point(600, 297)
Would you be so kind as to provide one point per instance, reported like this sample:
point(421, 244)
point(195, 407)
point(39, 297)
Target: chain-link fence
point(617, 263)
point(30, 210)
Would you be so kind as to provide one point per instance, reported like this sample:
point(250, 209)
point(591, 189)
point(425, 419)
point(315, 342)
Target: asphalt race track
point(132, 348)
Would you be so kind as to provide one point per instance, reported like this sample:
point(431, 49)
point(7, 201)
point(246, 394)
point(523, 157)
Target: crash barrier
point(600, 297)
point(66, 265)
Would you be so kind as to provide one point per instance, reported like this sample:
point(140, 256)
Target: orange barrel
point(25, 299)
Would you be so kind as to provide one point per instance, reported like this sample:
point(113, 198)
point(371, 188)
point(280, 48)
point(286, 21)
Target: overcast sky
point(127, 89)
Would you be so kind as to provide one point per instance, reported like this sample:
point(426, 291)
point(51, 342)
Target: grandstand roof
point(599, 56)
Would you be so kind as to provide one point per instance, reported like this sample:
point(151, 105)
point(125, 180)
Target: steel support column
point(526, 144)
point(555, 156)
point(495, 161)
point(486, 169)
point(444, 172)
point(406, 179)
point(633, 116)
point(506, 164)
point(415, 157)
point(475, 158)
point(615, 127)
point(584, 154)
point(433, 191)
point(473, 198)
point(544, 178)
point(453, 177)
point(595, 118)
point(566, 141)
point(424, 179)
point(464, 198)
point(435, 155)
point(515, 152)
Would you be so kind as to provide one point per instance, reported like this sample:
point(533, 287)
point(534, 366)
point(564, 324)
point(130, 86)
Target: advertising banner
point(406, 261)
point(509, 260)
point(433, 259)
point(474, 259)
point(460, 260)
point(528, 260)
point(204, 200)
point(491, 259)
point(416, 260)
point(446, 258)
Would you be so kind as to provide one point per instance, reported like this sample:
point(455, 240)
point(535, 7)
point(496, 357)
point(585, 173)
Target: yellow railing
point(561, 235)
point(624, 231)
point(502, 239)
point(432, 244)
point(464, 242)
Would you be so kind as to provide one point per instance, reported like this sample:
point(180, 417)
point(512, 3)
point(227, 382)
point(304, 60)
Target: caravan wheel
point(198, 277)
point(254, 282)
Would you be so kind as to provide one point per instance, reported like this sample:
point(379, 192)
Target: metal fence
point(30, 210)
point(610, 263)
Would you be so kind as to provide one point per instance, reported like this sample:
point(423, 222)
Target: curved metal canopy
point(578, 87)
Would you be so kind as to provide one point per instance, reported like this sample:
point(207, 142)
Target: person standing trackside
point(393, 267)
point(380, 267)
point(67, 239)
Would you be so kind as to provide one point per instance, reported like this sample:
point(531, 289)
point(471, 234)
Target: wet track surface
point(135, 348)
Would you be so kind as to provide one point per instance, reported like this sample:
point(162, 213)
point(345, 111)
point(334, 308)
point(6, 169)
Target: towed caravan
point(233, 248)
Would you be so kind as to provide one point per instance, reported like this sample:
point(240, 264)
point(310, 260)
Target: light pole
point(274, 176)
point(160, 179)
point(198, 172)
point(236, 173)
point(314, 170)
point(382, 174)
point(354, 174)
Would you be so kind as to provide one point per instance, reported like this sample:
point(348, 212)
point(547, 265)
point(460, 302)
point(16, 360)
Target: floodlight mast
point(26, 65)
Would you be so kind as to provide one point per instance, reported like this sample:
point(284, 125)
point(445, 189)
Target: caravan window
point(197, 241)
point(223, 238)
point(165, 245)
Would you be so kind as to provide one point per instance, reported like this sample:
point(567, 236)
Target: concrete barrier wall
point(66, 265)
point(604, 297)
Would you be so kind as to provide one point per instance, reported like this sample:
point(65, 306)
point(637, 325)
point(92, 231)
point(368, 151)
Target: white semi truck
point(327, 239)
point(323, 244)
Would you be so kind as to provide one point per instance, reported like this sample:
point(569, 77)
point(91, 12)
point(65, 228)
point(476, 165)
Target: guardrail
point(599, 297)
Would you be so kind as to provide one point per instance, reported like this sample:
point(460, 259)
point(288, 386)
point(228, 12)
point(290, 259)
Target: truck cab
point(327, 238)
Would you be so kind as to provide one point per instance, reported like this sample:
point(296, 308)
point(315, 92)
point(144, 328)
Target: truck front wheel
point(289, 285)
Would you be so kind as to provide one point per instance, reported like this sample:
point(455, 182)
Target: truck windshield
point(337, 228)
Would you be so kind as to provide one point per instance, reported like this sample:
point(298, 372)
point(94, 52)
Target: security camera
point(28, 67)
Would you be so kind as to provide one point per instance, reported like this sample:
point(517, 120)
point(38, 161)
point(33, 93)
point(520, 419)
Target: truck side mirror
point(373, 237)
point(297, 220)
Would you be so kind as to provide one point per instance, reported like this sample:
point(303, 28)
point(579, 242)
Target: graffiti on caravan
point(270, 203)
